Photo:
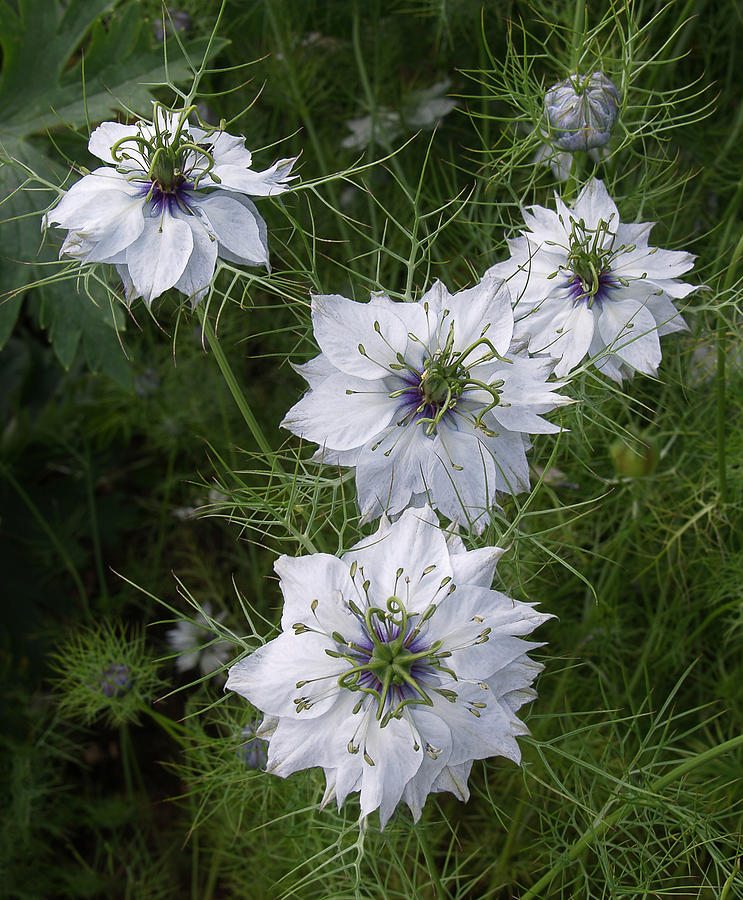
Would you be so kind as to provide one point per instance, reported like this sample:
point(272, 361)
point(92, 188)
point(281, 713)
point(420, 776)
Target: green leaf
point(74, 321)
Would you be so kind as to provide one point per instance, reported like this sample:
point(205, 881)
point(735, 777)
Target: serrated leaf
point(73, 320)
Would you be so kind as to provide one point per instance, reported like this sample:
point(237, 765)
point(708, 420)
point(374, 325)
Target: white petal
point(342, 412)
point(478, 737)
point(437, 734)
point(235, 225)
point(391, 467)
point(268, 183)
point(483, 311)
point(462, 476)
point(325, 579)
point(315, 370)
point(392, 750)
point(342, 327)
point(121, 232)
point(106, 135)
point(199, 270)
point(269, 676)
point(304, 743)
point(454, 779)
point(130, 292)
point(92, 203)
point(158, 257)
point(416, 547)
point(665, 313)
point(476, 567)
point(571, 346)
point(629, 330)
point(595, 204)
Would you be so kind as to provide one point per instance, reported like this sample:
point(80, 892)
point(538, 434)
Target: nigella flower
point(425, 399)
point(579, 114)
point(171, 198)
point(195, 646)
point(396, 668)
point(586, 284)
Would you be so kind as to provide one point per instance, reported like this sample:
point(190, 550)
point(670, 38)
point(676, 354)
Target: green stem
point(234, 387)
point(49, 532)
point(304, 112)
point(579, 20)
point(604, 822)
point(94, 532)
point(212, 876)
point(431, 865)
point(721, 393)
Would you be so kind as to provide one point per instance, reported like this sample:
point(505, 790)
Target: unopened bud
point(581, 111)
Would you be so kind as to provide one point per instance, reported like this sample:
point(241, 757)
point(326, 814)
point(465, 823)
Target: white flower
point(171, 198)
point(397, 666)
point(424, 399)
point(586, 284)
point(421, 109)
point(191, 641)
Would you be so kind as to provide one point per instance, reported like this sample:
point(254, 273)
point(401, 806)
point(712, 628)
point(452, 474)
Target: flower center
point(446, 374)
point(394, 663)
point(443, 381)
point(167, 153)
point(589, 262)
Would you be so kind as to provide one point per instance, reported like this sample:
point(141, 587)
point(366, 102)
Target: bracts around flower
point(429, 401)
point(397, 666)
point(171, 199)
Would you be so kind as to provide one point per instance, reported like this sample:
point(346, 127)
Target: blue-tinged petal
point(270, 675)
point(630, 332)
point(341, 413)
point(317, 590)
point(236, 227)
point(157, 258)
point(360, 339)
point(199, 271)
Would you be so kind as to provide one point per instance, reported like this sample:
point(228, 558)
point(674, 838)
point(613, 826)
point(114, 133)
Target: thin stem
point(604, 822)
point(234, 387)
point(431, 865)
point(49, 532)
point(721, 393)
point(578, 27)
point(94, 531)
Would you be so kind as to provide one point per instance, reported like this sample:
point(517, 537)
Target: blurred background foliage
point(124, 461)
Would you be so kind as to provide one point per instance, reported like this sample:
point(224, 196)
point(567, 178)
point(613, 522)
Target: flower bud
point(254, 752)
point(115, 680)
point(581, 111)
point(633, 460)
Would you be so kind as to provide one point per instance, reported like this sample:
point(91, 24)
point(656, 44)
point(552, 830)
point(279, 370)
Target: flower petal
point(157, 258)
point(342, 413)
point(394, 762)
point(269, 676)
point(343, 328)
point(630, 332)
point(105, 136)
point(411, 557)
point(199, 270)
point(236, 227)
point(391, 467)
point(325, 581)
